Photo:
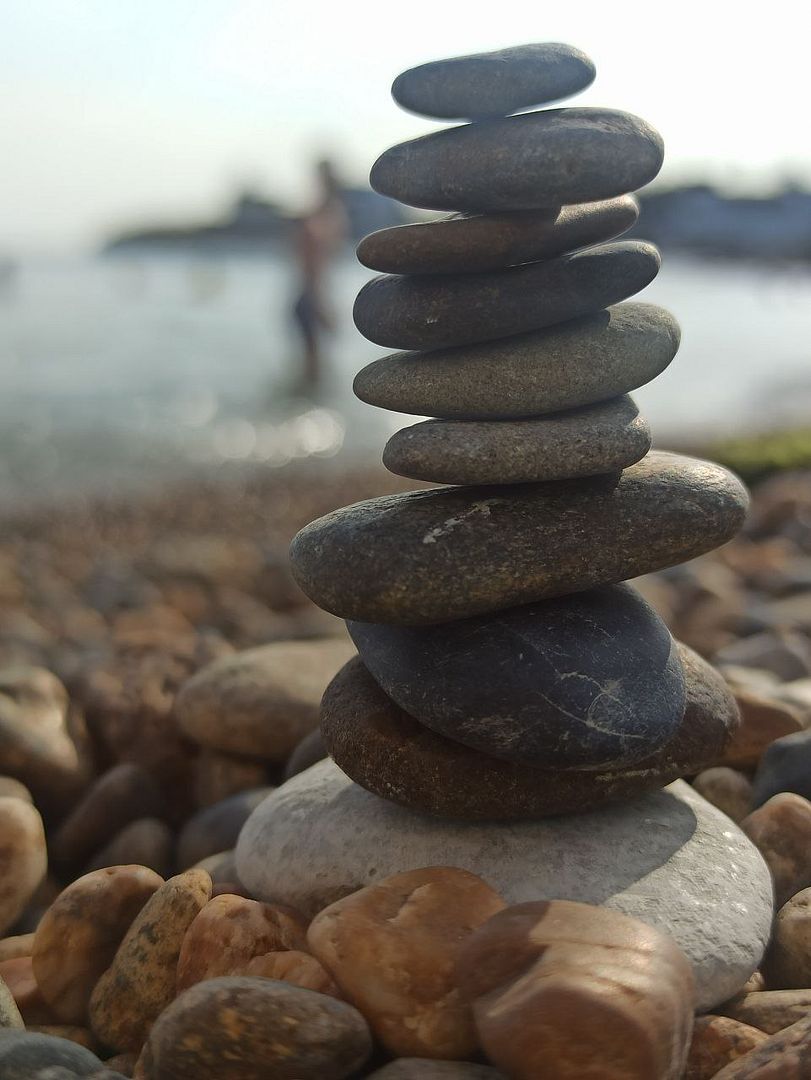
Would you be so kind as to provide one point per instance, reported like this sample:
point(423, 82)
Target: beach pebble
point(595, 439)
point(23, 857)
point(141, 981)
point(310, 750)
point(536, 975)
point(781, 830)
point(433, 311)
point(18, 975)
point(217, 776)
point(547, 158)
point(566, 366)
point(14, 789)
point(145, 842)
point(229, 932)
point(250, 1029)
point(769, 1010)
point(261, 702)
point(786, 655)
point(80, 932)
point(784, 766)
point(216, 828)
point(729, 790)
point(785, 1056)
point(439, 555)
point(788, 961)
point(29, 1056)
point(763, 720)
point(391, 948)
point(292, 966)
point(717, 1041)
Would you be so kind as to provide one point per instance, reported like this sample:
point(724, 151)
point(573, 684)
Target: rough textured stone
point(310, 750)
point(9, 1013)
point(80, 932)
point(763, 720)
point(23, 857)
point(784, 766)
point(216, 828)
point(595, 439)
point(25, 1055)
point(785, 1056)
point(389, 753)
point(717, 1041)
point(494, 83)
point(769, 1010)
point(141, 981)
point(262, 701)
point(568, 990)
point(435, 556)
point(392, 947)
point(229, 932)
point(667, 858)
point(565, 366)
point(249, 1029)
point(431, 1069)
point(781, 830)
point(145, 842)
point(727, 789)
point(546, 158)
point(475, 243)
point(788, 961)
point(582, 681)
point(432, 311)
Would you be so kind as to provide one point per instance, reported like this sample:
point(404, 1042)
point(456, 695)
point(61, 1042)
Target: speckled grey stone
point(473, 243)
point(392, 755)
point(548, 158)
point(598, 438)
point(667, 858)
point(435, 311)
point(449, 553)
point(575, 363)
point(585, 681)
point(494, 83)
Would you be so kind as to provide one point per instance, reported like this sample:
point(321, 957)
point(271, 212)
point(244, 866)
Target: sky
point(118, 113)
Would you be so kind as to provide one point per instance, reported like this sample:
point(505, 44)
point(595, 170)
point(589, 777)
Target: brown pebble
point(785, 1056)
point(229, 932)
point(145, 842)
point(140, 982)
point(788, 960)
point(727, 789)
point(391, 949)
point(718, 1040)
point(79, 934)
point(18, 975)
point(763, 720)
point(564, 991)
point(23, 858)
point(217, 776)
point(781, 830)
point(769, 1010)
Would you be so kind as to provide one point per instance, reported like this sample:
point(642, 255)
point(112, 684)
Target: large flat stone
point(548, 158)
point(467, 244)
point(494, 83)
point(575, 363)
point(669, 859)
point(436, 311)
point(434, 556)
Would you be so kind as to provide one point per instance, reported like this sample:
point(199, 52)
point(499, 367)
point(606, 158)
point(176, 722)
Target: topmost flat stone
point(494, 83)
point(549, 158)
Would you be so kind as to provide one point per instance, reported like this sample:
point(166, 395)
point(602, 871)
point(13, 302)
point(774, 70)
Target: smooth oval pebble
point(547, 158)
point(575, 363)
point(436, 312)
point(584, 681)
point(390, 754)
point(252, 1029)
point(23, 857)
point(25, 1055)
point(584, 442)
point(435, 556)
point(494, 83)
point(474, 243)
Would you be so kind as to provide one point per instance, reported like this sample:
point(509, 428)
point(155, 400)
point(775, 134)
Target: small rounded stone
point(391, 948)
point(784, 766)
point(436, 312)
point(217, 776)
point(432, 556)
point(252, 1028)
point(717, 1041)
point(216, 828)
point(547, 158)
point(25, 1055)
point(571, 364)
point(584, 442)
point(781, 830)
point(729, 790)
point(80, 932)
point(475, 243)
point(788, 961)
point(494, 83)
point(763, 721)
point(23, 857)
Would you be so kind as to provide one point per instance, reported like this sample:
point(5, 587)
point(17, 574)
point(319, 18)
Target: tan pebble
point(9, 1012)
point(788, 960)
point(140, 982)
point(781, 830)
point(763, 719)
point(23, 857)
point(145, 842)
point(12, 947)
point(784, 1056)
point(72, 1032)
point(252, 1029)
point(18, 976)
point(727, 789)
point(564, 991)
point(391, 949)
point(293, 966)
point(718, 1040)
point(14, 789)
point(229, 932)
point(79, 934)
point(769, 1010)
point(217, 776)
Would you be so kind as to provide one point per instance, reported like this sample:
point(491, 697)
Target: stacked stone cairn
point(508, 677)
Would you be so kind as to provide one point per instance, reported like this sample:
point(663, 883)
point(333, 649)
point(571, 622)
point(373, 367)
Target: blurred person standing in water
point(318, 237)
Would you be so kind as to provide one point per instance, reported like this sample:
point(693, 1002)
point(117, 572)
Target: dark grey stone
point(575, 363)
point(494, 83)
point(785, 766)
point(433, 311)
point(216, 828)
point(596, 439)
point(24, 1054)
point(548, 158)
point(433, 556)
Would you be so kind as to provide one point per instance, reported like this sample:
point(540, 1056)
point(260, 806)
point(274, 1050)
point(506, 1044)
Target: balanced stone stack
point(506, 673)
